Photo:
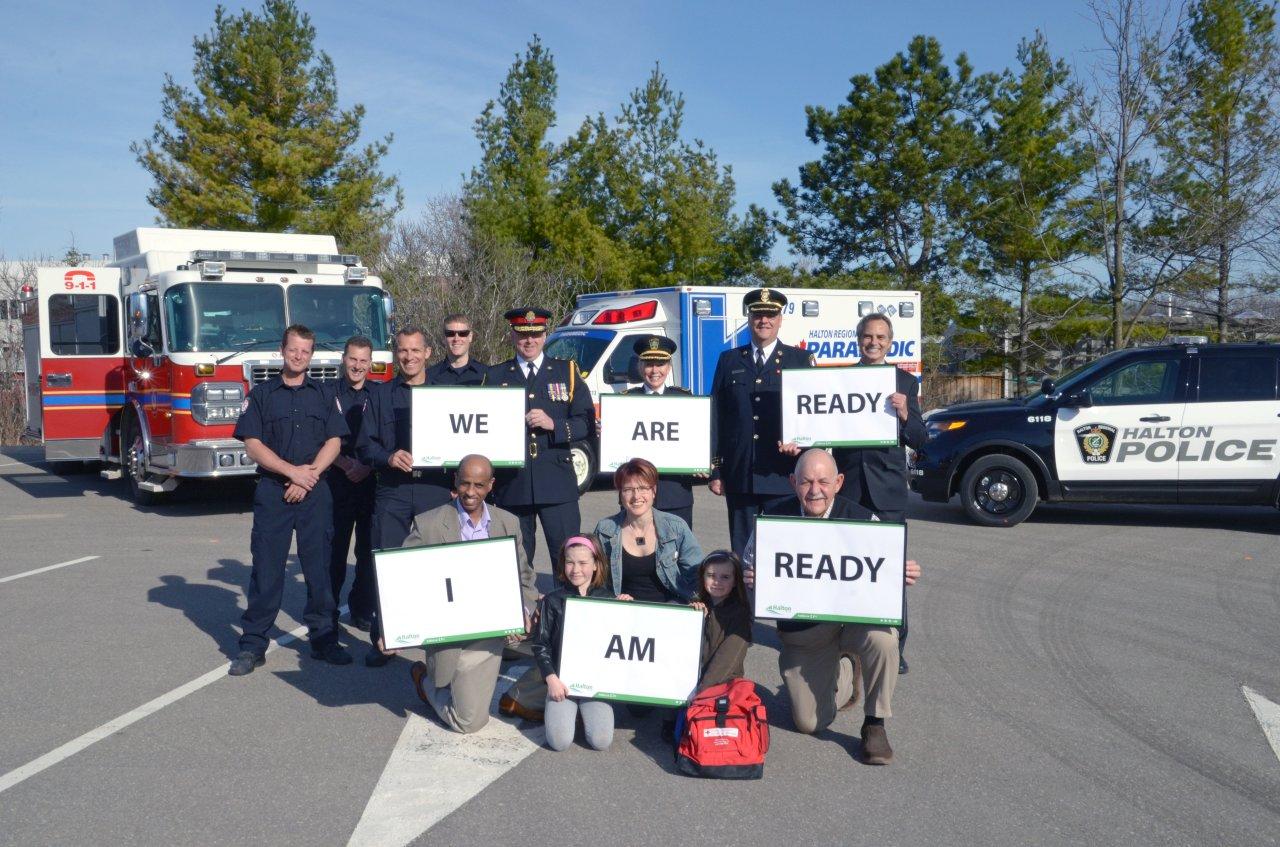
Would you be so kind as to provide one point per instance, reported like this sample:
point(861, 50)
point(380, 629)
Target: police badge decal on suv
point(1170, 424)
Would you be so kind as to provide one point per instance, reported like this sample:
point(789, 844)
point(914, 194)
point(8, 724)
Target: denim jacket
point(679, 553)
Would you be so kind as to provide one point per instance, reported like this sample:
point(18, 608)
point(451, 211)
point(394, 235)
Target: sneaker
point(244, 663)
point(331, 653)
point(375, 658)
point(875, 745)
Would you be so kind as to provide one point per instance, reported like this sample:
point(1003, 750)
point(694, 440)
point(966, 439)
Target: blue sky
point(80, 81)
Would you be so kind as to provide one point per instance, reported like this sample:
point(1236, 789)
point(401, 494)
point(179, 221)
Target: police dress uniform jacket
point(472, 373)
point(675, 491)
point(881, 472)
point(547, 477)
point(746, 420)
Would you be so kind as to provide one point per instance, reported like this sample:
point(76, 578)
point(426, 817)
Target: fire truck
point(146, 364)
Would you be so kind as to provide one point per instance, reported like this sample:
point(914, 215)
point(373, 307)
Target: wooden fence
point(945, 389)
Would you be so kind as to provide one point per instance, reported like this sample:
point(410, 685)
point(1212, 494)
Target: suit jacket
point(675, 491)
point(547, 477)
point(440, 526)
point(884, 469)
point(746, 420)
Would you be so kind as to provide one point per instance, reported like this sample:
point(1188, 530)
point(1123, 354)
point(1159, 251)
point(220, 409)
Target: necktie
point(759, 359)
point(532, 373)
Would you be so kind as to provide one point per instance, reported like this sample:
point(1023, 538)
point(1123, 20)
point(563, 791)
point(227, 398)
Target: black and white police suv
point(1172, 424)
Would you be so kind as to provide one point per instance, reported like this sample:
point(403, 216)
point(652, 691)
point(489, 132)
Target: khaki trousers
point(461, 680)
point(818, 682)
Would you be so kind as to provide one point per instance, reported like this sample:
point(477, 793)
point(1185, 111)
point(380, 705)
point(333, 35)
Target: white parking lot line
point(48, 568)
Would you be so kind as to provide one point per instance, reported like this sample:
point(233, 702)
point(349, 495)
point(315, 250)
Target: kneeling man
point(817, 661)
point(458, 680)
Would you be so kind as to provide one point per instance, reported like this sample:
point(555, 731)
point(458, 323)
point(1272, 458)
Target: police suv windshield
point(1076, 374)
point(213, 316)
point(337, 312)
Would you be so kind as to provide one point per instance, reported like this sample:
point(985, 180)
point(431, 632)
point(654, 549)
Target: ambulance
point(704, 321)
point(146, 364)
point(1182, 423)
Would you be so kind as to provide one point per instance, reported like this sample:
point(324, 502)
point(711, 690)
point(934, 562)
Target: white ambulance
point(704, 321)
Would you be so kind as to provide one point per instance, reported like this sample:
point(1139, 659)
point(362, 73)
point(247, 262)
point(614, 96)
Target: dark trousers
point(895, 517)
point(685, 513)
point(275, 523)
point(559, 522)
point(353, 512)
point(743, 509)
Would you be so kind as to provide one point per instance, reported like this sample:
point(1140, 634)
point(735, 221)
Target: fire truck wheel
point(133, 461)
point(585, 465)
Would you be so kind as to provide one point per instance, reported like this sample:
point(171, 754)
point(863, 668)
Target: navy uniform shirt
point(388, 427)
point(547, 477)
point(472, 373)
point(352, 403)
point(746, 420)
point(675, 491)
point(293, 421)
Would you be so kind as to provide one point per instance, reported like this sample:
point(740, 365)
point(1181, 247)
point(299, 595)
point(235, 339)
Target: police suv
point(1172, 424)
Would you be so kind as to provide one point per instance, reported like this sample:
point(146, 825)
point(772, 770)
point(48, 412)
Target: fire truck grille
point(262, 373)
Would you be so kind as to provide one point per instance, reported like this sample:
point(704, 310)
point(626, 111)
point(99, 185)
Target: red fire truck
point(146, 364)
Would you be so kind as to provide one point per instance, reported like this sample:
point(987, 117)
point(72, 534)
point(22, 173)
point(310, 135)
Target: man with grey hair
point(817, 660)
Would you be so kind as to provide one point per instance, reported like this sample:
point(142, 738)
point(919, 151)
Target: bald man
point(457, 680)
point(817, 659)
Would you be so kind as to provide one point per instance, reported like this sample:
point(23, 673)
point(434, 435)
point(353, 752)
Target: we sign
point(450, 422)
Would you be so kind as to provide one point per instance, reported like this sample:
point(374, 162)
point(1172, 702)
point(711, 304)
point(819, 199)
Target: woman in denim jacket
point(653, 556)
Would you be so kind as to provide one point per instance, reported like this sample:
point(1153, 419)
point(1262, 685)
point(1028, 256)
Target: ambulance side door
point(1231, 428)
point(1106, 451)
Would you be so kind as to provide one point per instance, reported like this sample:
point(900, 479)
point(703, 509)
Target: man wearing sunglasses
point(457, 367)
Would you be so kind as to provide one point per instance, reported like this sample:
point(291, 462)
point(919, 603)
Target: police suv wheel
point(583, 458)
point(999, 490)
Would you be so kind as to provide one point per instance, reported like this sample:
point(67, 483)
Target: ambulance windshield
point(215, 316)
point(585, 348)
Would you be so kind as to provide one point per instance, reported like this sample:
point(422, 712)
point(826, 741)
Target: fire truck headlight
point(226, 460)
point(217, 403)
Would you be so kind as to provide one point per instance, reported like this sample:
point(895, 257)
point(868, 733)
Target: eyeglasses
point(457, 333)
point(633, 490)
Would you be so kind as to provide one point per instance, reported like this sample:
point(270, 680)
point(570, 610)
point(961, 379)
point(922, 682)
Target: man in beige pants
point(819, 661)
point(458, 680)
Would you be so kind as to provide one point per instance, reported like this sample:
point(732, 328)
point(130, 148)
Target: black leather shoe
point(903, 667)
point(375, 658)
point(244, 663)
point(331, 653)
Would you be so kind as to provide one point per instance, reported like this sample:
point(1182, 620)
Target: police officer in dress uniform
point(558, 412)
point(457, 367)
point(751, 464)
point(385, 442)
point(675, 491)
point(351, 485)
point(292, 430)
point(876, 477)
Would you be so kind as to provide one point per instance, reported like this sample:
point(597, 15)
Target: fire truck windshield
point(337, 312)
point(211, 316)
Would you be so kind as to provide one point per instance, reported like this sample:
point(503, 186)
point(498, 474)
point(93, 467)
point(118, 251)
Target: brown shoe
point(510, 707)
point(875, 745)
point(856, 661)
point(418, 670)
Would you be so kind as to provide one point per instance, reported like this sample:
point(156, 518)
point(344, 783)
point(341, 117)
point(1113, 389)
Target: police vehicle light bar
point(348, 259)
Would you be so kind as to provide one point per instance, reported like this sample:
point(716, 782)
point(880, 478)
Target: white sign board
point(810, 569)
point(630, 651)
point(671, 430)
point(450, 422)
point(449, 592)
point(840, 407)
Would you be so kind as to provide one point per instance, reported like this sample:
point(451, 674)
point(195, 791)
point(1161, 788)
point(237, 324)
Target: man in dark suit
point(876, 477)
point(675, 491)
point(750, 462)
point(558, 412)
point(817, 660)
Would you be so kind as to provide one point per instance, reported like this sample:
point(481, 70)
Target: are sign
point(671, 430)
point(629, 651)
point(810, 569)
point(840, 407)
point(450, 422)
point(449, 592)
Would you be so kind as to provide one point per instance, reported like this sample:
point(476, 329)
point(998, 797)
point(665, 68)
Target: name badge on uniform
point(559, 392)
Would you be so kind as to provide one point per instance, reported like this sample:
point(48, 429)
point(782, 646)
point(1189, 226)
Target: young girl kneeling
point(581, 572)
point(726, 632)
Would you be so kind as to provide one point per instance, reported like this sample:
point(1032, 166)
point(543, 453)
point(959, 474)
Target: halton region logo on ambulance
point(1095, 442)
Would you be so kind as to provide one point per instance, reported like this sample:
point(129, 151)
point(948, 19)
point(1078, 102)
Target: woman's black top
point(640, 578)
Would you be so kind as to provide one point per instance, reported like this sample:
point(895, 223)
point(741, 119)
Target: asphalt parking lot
point(1084, 677)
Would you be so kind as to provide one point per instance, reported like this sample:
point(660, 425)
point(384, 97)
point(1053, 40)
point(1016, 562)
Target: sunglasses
point(457, 333)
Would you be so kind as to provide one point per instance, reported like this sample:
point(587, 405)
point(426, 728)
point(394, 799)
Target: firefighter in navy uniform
point(558, 412)
point(351, 484)
point(675, 491)
point(385, 442)
point(292, 431)
point(751, 464)
point(457, 367)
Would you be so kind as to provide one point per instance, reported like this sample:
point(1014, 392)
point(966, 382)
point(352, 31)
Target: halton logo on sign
point(1095, 442)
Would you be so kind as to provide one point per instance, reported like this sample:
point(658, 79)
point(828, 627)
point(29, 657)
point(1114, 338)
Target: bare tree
point(437, 265)
point(13, 417)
